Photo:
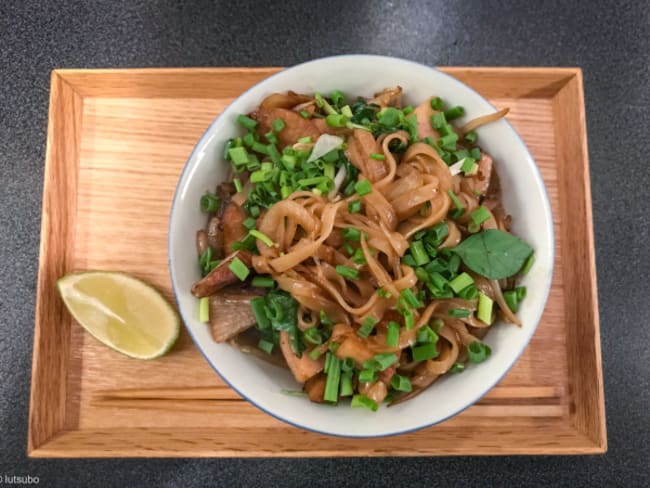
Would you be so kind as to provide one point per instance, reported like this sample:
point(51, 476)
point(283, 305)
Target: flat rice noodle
point(360, 146)
point(302, 367)
point(233, 228)
point(389, 97)
point(390, 163)
point(284, 100)
point(482, 120)
point(377, 204)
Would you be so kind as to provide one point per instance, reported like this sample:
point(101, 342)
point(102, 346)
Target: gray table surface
point(608, 40)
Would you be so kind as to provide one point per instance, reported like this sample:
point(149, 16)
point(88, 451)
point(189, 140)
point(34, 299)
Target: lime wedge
point(123, 312)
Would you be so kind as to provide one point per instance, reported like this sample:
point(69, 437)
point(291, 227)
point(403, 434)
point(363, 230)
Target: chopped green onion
point(324, 104)
point(351, 234)
point(527, 265)
point(204, 309)
point(436, 103)
point(438, 121)
point(363, 187)
point(478, 352)
point(381, 362)
point(239, 269)
point(348, 248)
point(278, 124)
point(238, 155)
point(383, 293)
point(475, 153)
point(337, 98)
point(262, 237)
point(468, 293)
point(454, 112)
point(315, 353)
point(271, 137)
point(313, 336)
point(424, 352)
point(409, 319)
point(346, 272)
point(437, 325)
point(347, 111)
point(324, 319)
point(426, 334)
point(367, 376)
point(457, 368)
point(274, 153)
point(480, 215)
point(408, 260)
point(377, 156)
point(265, 346)
point(367, 327)
point(238, 185)
point(459, 206)
point(354, 206)
point(485, 304)
point(448, 141)
point(262, 281)
point(511, 300)
point(210, 203)
point(461, 282)
point(418, 253)
point(401, 383)
point(305, 140)
point(469, 166)
point(333, 379)
point(346, 388)
point(249, 223)
point(521, 292)
point(470, 137)
point(254, 210)
point(347, 365)
point(246, 121)
point(410, 298)
point(358, 257)
point(458, 313)
point(336, 120)
point(260, 176)
point(258, 306)
point(392, 336)
point(304, 114)
point(365, 402)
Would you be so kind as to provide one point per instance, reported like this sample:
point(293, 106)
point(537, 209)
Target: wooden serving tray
point(116, 144)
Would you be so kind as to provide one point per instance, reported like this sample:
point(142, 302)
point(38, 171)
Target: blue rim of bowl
point(547, 287)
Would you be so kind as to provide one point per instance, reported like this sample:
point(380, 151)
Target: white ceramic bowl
point(524, 197)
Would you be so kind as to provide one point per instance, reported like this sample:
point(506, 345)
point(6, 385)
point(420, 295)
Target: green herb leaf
point(493, 253)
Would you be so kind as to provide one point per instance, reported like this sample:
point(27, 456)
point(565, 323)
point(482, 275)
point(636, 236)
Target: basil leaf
point(493, 253)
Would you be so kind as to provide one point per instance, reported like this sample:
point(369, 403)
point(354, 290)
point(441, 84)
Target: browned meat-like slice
point(423, 114)
point(215, 236)
point(233, 228)
point(302, 367)
point(315, 388)
point(481, 182)
point(230, 314)
point(221, 276)
point(296, 126)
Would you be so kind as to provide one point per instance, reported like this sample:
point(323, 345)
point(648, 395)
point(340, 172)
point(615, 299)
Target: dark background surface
point(609, 41)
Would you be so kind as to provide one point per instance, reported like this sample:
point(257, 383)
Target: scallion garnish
point(426, 334)
point(424, 351)
point(363, 187)
point(454, 112)
point(351, 234)
point(239, 269)
point(484, 312)
point(418, 253)
point(436, 103)
point(278, 124)
point(401, 383)
point(265, 346)
point(263, 281)
point(204, 309)
point(333, 379)
point(457, 368)
point(238, 155)
point(367, 376)
point(461, 282)
point(258, 306)
point(246, 122)
point(238, 185)
point(354, 206)
point(458, 313)
point(249, 223)
point(210, 203)
point(478, 352)
point(457, 203)
point(262, 237)
point(367, 327)
point(346, 388)
point(347, 272)
point(527, 265)
point(470, 137)
point(480, 215)
point(392, 336)
point(377, 156)
point(511, 300)
point(410, 299)
point(365, 402)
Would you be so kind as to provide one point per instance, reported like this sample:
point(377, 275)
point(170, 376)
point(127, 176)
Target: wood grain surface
point(117, 142)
